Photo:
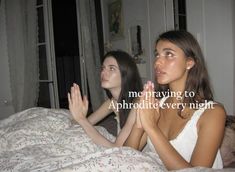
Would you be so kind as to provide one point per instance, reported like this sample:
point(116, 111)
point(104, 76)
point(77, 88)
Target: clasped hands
point(147, 117)
point(78, 106)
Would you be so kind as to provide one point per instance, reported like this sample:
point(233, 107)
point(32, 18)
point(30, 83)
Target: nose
point(158, 62)
point(103, 71)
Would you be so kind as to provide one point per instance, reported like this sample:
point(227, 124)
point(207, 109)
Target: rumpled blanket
point(40, 139)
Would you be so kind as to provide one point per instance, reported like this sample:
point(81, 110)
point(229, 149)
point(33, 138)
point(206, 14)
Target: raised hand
point(77, 106)
point(137, 120)
point(149, 113)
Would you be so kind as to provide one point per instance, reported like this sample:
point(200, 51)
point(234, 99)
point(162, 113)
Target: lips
point(159, 72)
point(104, 80)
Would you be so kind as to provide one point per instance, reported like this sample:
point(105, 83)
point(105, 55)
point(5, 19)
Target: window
point(48, 94)
point(180, 14)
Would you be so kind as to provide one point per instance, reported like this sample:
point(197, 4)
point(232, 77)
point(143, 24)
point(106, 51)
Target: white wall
point(212, 22)
point(154, 17)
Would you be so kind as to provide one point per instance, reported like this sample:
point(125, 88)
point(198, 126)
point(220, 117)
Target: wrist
point(152, 129)
point(137, 127)
point(82, 120)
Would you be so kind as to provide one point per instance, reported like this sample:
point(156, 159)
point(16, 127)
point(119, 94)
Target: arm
point(149, 120)
point(78, 108)
point(100, 113)
point(137, 138)
point(210, 135)
point(125, 131)
point(99, 139)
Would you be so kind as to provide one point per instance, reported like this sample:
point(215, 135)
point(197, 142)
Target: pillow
point(228, 144)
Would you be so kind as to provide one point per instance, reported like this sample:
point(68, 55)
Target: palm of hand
point(148, 117)
point(149, 114)
point(77, 106)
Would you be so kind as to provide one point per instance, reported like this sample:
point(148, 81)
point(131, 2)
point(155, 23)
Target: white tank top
point(185, 142)
point(117, 118)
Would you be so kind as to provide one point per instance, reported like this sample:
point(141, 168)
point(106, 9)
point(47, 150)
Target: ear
point(190, 63)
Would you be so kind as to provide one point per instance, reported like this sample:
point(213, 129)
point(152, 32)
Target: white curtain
point(90, 48)
point(21, 27)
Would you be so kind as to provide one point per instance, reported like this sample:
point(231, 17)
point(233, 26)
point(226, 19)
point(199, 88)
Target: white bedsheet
point(40, 139)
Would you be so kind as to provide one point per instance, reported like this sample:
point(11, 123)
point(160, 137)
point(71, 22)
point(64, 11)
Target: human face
point(110, 74)
point(171, 65)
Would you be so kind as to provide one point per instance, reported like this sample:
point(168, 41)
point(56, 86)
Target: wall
point(233, 5)
point(212, 22)
point(154, 17)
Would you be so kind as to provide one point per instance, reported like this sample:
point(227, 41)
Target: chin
point(105, 86)
point(162, 82)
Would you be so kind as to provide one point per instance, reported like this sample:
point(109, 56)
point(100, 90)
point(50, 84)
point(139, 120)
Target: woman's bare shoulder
point(215, 114)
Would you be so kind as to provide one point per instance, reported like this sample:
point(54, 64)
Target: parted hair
point(197, 79)
point(130, 80)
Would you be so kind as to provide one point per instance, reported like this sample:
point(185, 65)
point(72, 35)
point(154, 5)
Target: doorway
point(59, 64)
point(59, 60)
point(66, 47)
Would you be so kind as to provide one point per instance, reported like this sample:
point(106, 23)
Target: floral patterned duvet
point(40, 139)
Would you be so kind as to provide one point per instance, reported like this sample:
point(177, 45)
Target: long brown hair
point(197, 79)
point(130, 80)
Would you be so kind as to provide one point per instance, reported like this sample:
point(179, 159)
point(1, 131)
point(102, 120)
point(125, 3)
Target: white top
point(117, 118)
point(185, 142)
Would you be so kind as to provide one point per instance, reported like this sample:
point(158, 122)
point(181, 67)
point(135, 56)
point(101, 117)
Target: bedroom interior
point(47, 45)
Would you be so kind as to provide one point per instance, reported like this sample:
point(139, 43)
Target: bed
point(41, 139)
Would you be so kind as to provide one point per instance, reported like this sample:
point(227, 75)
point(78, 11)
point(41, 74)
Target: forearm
point(92, 120)
point(169, 156)
point(94, 134)
point(100, 113)
point(133, 140)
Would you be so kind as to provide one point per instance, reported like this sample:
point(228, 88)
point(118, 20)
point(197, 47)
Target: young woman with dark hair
point(119, 75)
point(187, 135)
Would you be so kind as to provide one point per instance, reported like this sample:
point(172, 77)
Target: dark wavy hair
point(197, 79)
point(130, 80)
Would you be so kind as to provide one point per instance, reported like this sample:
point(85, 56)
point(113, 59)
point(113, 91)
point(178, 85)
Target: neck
point(178, 91)
point(115, 93)
point(179, 85)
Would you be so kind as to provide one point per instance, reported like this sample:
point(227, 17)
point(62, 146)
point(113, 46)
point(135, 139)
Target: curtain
point(21, 27)
point(90, 50)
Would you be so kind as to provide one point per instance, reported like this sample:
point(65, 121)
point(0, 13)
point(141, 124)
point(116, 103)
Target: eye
point(102, 68)
point(111, 68)
point(156, 55)
point(169, 54)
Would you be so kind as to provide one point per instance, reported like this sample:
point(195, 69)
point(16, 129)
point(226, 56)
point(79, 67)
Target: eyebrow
point(168, 49)
point(111, 66)
point(165, 49)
